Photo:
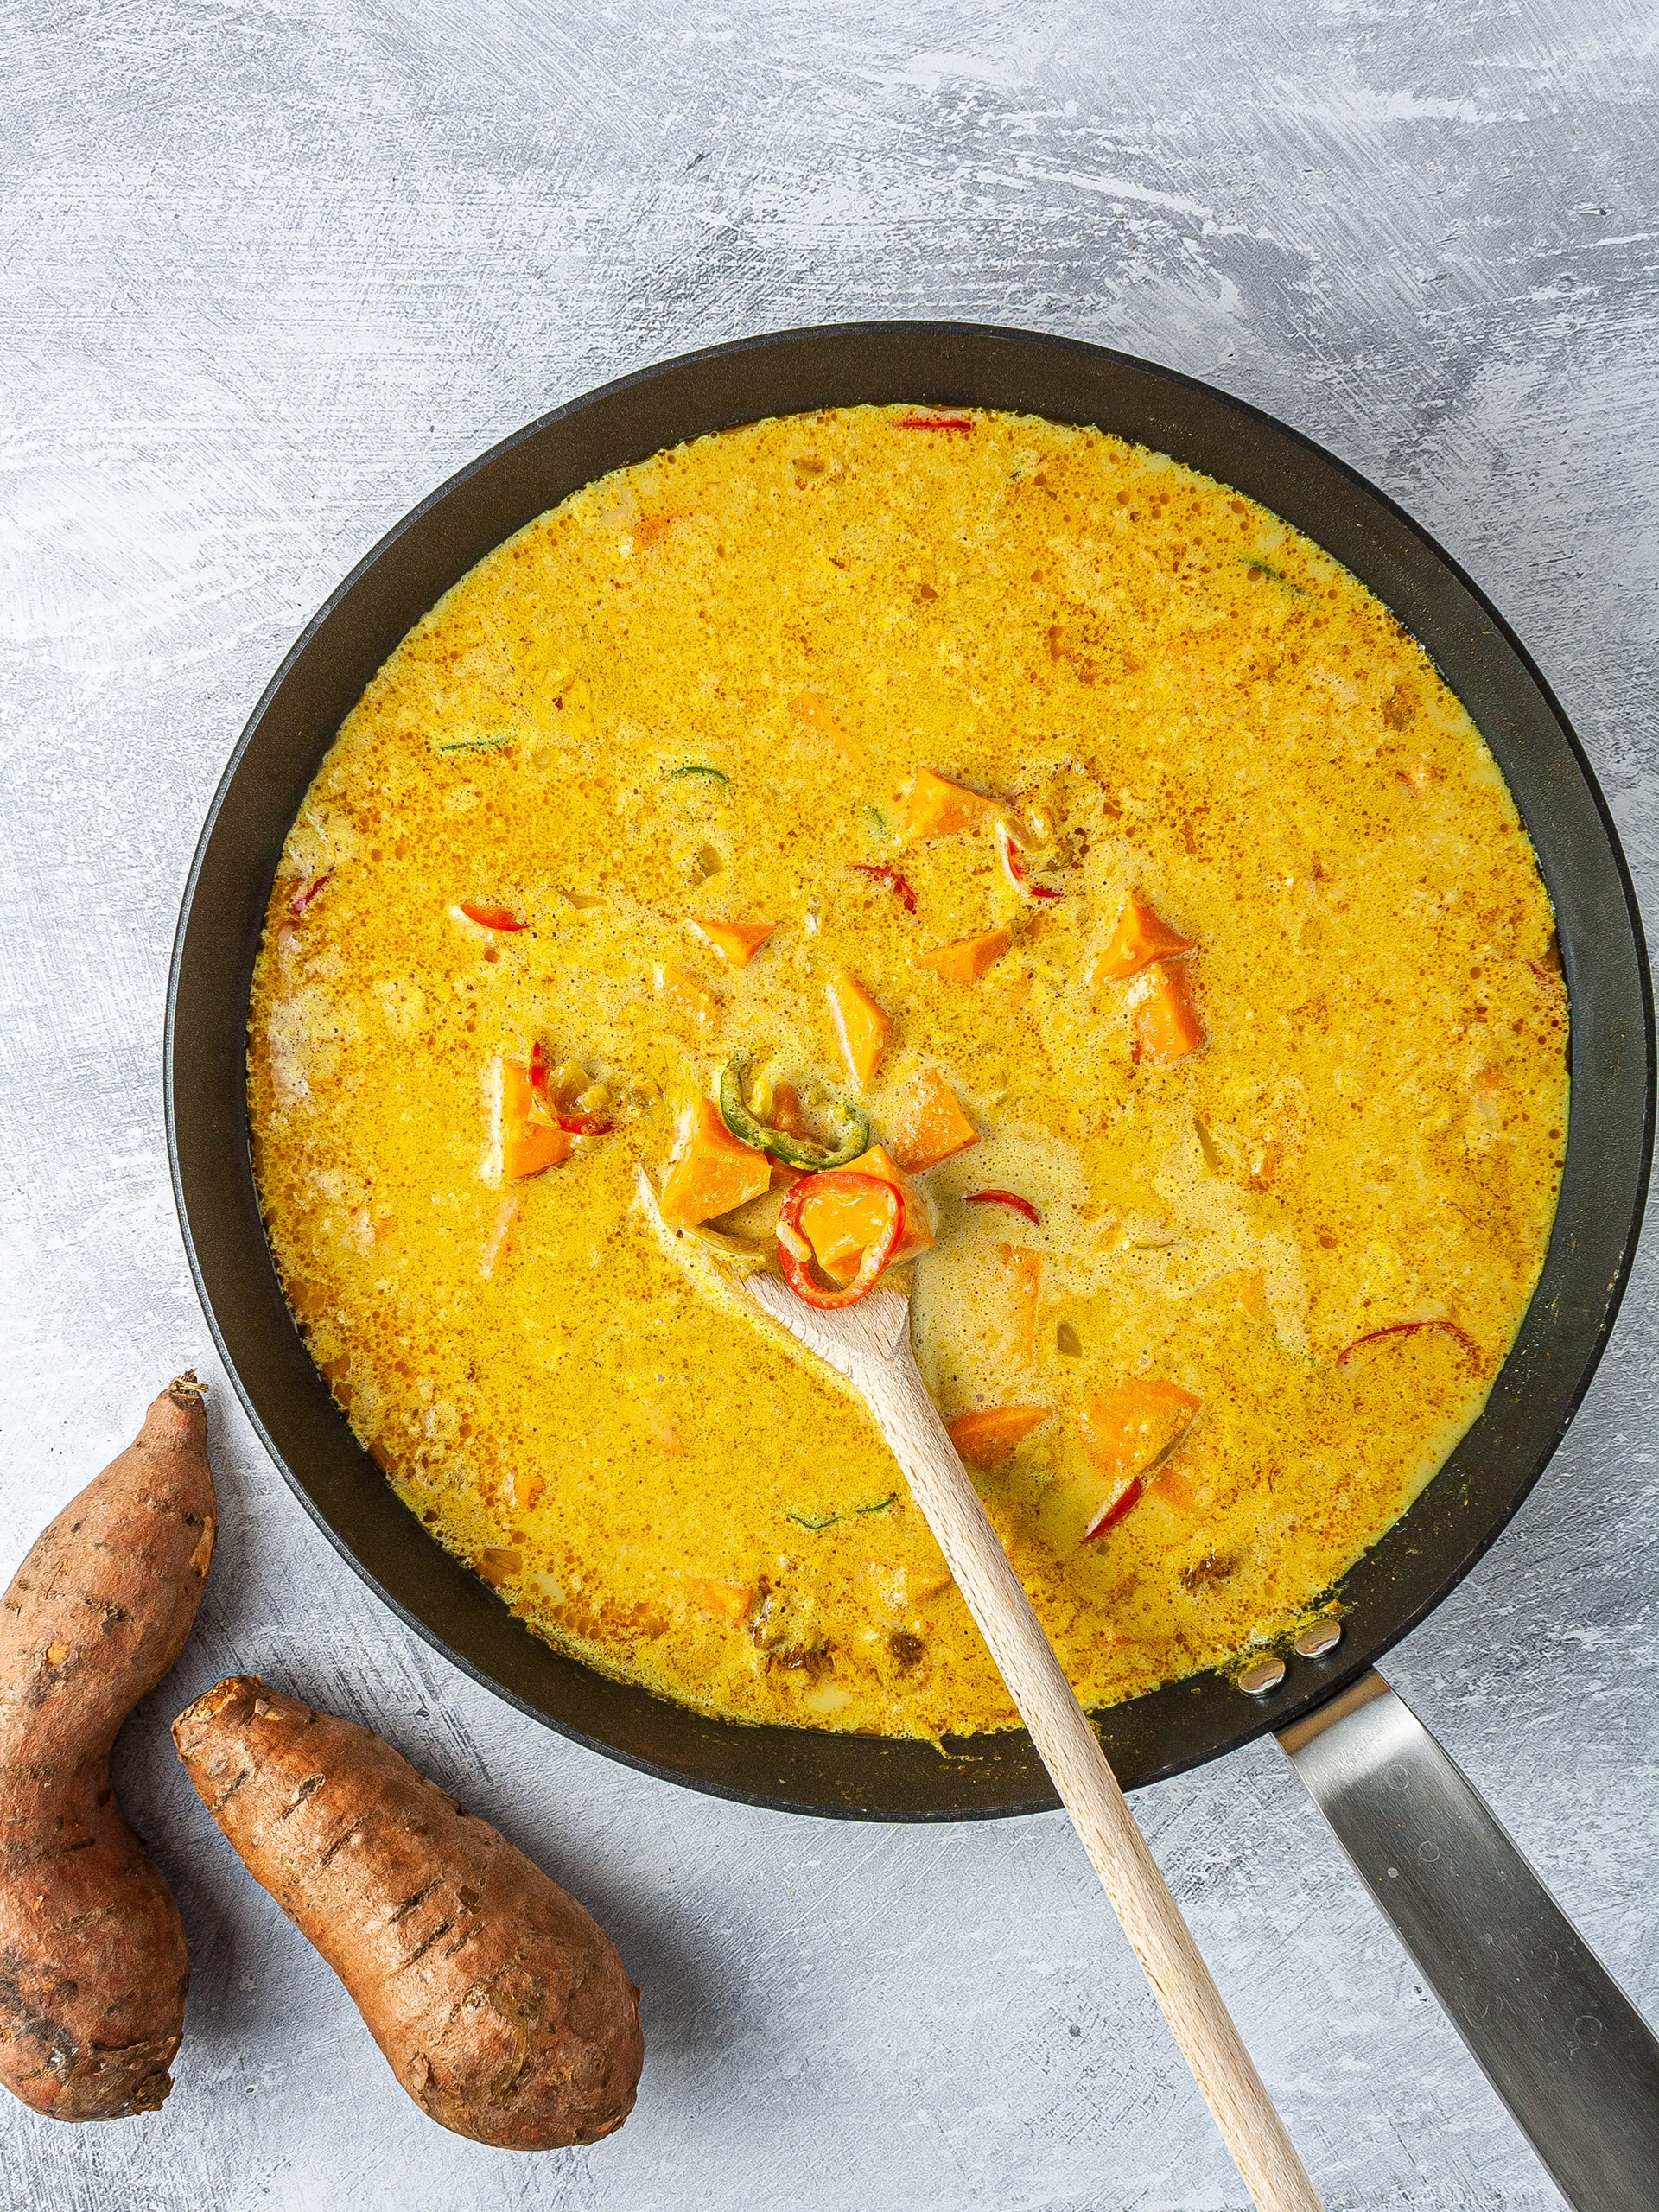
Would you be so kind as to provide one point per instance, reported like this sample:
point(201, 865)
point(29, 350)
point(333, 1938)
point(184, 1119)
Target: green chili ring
point(794, 1152)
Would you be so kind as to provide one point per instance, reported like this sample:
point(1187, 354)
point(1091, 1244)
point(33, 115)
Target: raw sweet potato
point(94, 1968)
point(501, 2006)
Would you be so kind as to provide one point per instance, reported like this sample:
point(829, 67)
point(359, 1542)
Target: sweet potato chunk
point(1167, 1025)
point(813, 711)
point(534, 1148)
point(1126, 1433)
point(934, 807)
point(932, 1125)
point(1139, 938)
point(501, 2006)
point(1024, 1270)
point(712, 1172)
point(688, 996)
point(731, 1600)
point(862, 1025)
point(987, 1436)
point(967, 959)
point(1129, 1428)
point(737, 943)
point(94, 1968)
point(840, 1229)
point(519, 1146)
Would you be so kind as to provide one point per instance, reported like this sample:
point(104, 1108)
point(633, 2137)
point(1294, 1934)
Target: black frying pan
point(1609, 1137)
point(1563, 2047)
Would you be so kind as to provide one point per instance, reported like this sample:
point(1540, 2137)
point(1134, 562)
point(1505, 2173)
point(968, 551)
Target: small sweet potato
point(501, 2006)
point(94, 1968)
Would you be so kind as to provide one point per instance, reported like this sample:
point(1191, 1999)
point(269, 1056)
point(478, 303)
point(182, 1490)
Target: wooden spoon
point(870, 1343)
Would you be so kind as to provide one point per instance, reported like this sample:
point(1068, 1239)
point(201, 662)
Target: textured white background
point(268, 272)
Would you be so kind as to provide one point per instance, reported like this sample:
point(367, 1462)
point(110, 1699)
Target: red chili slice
point(1116, 1508)
point(1004, 1199)
point(795, 1251)
point(890, 877)
point(1015, 865)
point(934, 423)
point(490, 918)
point(307, 892)
point(1472, 1351)
point(538, 1066)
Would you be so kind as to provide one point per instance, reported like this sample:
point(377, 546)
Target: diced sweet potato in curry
point(934, 807)
point(1167, 1025)
point(712, 1171)
point(688, 996)
point(862, 1025)
point(1126, 1434)
point(1127, 1428)
point(520, 1145)
point(737, 943)
point(1139, 938)
point(930, 1125)
point(1022, 1269)
point(839, 1224)
point(532, 1149)
point(986, 1437)
point(968, 958)
point(731, 1600)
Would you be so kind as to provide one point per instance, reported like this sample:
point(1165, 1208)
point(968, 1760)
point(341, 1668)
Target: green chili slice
point(794, 1152)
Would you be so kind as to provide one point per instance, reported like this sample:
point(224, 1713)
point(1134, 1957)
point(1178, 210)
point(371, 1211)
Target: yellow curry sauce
point(702, 690)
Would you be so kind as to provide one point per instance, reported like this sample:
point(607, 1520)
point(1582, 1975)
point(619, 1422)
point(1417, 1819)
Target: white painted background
point(272, 271)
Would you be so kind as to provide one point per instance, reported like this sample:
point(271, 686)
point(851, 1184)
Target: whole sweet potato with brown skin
point(93, 1969)
point(500, 2004)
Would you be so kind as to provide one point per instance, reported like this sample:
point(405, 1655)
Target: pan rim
point(1329, 1678)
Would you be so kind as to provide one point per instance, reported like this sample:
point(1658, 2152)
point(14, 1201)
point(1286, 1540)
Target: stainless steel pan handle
point(1561, 2042)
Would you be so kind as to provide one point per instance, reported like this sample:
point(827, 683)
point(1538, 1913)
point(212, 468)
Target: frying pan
point(1381, 1779)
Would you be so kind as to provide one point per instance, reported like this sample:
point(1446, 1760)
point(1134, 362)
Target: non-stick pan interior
point(1609, 1135)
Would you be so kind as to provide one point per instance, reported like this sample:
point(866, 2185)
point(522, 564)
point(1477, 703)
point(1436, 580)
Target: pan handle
point(1561, 2042)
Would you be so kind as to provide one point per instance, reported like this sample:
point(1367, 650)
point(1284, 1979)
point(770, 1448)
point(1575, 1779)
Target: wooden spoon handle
point(1151, 1920)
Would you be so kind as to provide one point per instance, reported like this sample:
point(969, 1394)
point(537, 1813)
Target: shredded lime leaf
point(475, 744)
point(698, 768)
point(875, 821)
point(818, 1521)
point(1277, 575)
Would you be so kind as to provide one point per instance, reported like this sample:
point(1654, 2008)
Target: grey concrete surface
point(272, 271)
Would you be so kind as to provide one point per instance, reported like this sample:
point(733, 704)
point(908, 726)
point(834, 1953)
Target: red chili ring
point(797, 1265)
point(1461, 1336)
point(1004, 1199)
point(307, 891)
point(890, 877)
point(1014, 867)
point(490, 918)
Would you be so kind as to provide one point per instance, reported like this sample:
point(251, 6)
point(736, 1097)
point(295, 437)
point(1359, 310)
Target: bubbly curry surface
point(1265, 1211)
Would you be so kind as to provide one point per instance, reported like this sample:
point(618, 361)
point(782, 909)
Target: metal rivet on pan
point(1260, 1676)
point(1313, 1642)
